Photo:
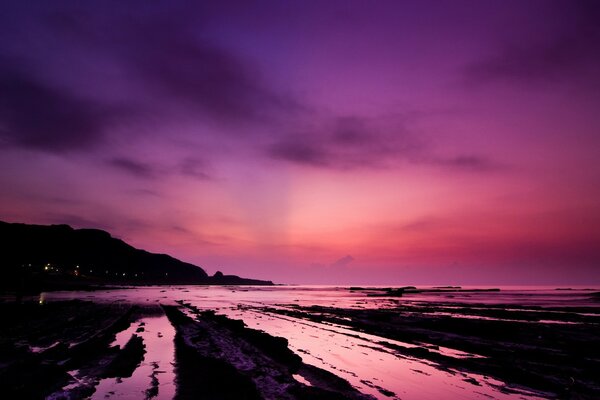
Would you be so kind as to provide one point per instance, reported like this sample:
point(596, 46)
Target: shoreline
point(72, 364)
point(110, 340)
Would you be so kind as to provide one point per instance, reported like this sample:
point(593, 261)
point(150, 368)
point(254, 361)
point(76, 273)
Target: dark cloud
point(474, 163)
point(156, 57)
point(351, 131)
point(161, 60)
point(298, 152)
point(133, 167)
point(373, 152)
point(195, 168)
point(348, 143)
point(37, 115)
point(570, 54)
point(212, 80)
point(425, 224)
point(146, 193)
point(63, 201)
point(167, 51)
point(352, 143)
point(197, 238)
point(342, 262)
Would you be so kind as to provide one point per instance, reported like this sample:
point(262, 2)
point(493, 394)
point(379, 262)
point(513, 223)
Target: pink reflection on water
point(353, 355)
point(158, 363)
point(368, 365)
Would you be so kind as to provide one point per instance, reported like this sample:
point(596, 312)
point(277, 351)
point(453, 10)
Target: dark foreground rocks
point(40, 344)
point(220, 358)
point(63, 350)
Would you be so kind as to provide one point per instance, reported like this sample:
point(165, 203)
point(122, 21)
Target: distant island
point(38, 258)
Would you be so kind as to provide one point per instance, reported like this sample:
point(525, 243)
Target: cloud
point(570, 54)
point(145, 193)
point(299, 152)
point(213, 81)
point(36, 115)
point(351, 143)
point(352, 131)
point(475, 163)
point(63, 88)
point(347, 143)
point(133, 167)
point(424, 224)
point(191, 167)
point(342, 262)
point(168, 54)
point(163, 65)
point(195, 168)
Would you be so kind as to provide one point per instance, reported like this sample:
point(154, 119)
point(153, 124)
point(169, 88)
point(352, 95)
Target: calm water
point(355, 356)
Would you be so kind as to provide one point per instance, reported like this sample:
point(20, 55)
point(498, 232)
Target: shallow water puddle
point(154, 378)
point(301, 379)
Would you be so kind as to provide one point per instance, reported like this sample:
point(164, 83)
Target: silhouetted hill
point(34, 255)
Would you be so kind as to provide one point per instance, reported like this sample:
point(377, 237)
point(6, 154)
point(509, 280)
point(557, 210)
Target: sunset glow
point(313, 142)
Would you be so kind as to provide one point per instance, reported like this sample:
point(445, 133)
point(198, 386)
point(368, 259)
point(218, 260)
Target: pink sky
point(338, 142)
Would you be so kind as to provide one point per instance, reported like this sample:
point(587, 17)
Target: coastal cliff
point(46, 257)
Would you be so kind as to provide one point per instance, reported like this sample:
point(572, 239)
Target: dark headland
point(54, 257)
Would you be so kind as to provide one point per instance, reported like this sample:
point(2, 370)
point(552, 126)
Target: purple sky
point(313, 142)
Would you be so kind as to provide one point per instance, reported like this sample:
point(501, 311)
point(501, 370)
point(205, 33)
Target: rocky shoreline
point(230, 344)
point(553, 351)
point(63, 350)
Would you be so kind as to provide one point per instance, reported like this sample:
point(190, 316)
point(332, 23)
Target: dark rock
point(127, 360)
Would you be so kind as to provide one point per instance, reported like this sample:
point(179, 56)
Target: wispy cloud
point(474, 163)
point(134, 167)
point(352, 143)
point(164, 67)
point(568, 54)
point(301, 152)
point(174, 61)
point(195, 168)
point(342, 262)
point(348, 143)
point(41, 115)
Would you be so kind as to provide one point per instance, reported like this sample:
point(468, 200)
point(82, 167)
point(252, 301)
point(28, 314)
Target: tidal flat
point(302, 342)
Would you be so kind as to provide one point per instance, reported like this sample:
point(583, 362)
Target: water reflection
point(363, 359)
point(155, 377)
